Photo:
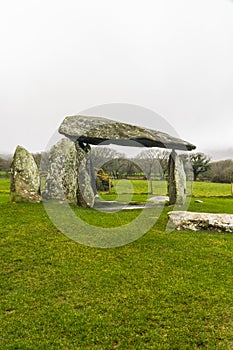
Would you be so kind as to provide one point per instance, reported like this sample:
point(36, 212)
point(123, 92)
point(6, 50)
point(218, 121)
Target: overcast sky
point(59, 58)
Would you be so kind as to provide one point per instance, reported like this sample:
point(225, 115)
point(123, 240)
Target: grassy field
point(209, 189)
point(163, 291)
point(140, 189)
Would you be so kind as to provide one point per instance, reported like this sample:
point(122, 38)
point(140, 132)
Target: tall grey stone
point(70, 174)
point(61, 182)
point(176, 180)
point(25, 179)
point(85, 191)
point(67, 177)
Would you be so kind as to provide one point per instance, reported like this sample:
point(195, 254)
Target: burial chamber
point(75, 182)
point(96, 130)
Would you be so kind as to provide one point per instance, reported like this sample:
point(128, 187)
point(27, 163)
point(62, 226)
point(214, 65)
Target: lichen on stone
point(25, 179)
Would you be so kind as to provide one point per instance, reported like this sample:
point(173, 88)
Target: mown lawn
point(4, 185)
point(163, 291)
point(209, 189)
point(141, 187)
point(140, 190)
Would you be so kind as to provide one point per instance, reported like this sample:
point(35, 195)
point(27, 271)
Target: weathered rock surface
point(25, 179)
point(85, 130)
point(184, 220)
point(85, 192)
point(67, 177)
point(70, 173)
point(94, 130)
point(58, 159)
point(176, 180)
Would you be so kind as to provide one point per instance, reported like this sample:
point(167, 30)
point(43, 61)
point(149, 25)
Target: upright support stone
point(95, 130)
point(61, 182)
point(25, 179)
point(176, 180)
point(68, 178)
point(85, 193)
point(70, 175)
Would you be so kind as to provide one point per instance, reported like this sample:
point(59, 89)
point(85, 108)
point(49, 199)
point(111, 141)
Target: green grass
point(141, 186)
point(134, 191)
point(208, 189)
point(4, 185)
point(140, 190)
point(4, 190)
point(163, 291)
point(212, 205)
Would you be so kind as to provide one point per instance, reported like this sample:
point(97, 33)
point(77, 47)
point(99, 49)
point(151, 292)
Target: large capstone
point(184, 220)
point(67, 177)
point(95, 130)
point(25, 179)
point(176, 180)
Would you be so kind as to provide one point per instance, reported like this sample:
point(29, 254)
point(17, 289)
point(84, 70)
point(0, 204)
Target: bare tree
point(163, 160)
point(153, 161)
point(100, 156)
point(119, 167)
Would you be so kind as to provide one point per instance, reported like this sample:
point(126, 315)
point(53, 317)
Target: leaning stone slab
point(25, 179)
point(184, 220)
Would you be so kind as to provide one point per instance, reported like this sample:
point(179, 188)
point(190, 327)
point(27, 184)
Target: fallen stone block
point(184, 220)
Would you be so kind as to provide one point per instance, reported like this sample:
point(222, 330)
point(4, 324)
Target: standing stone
point(85, 192)
point(67, 177)
point(25, 179)
point(176, 180)
point(70, 175)
point(61, 182)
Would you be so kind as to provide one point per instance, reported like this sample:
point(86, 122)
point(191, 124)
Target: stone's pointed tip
point(19, 147)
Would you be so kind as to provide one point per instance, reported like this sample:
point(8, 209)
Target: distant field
point(141, 187)
point(209, 189)
point(198, 189)
point(4, 185)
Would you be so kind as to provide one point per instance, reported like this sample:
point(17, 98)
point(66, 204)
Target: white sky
point(62, 57)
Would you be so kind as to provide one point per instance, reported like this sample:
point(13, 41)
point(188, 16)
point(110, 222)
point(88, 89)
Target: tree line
point(151, 163)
